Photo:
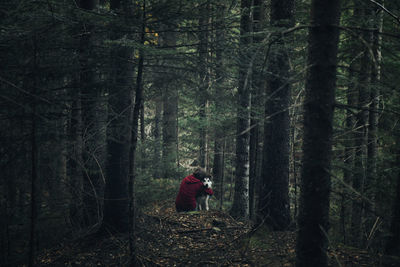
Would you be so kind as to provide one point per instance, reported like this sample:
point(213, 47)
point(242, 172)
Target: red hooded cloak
point(190, 187)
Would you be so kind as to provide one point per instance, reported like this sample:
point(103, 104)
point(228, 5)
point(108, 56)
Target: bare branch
point(386, 10)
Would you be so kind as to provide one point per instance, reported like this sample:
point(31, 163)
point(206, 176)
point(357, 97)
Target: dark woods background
point(106, 105)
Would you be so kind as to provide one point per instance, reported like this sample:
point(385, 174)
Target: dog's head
point(201, 174)
point(207, 182)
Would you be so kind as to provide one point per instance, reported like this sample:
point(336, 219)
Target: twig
point(386, 10)
point(206, 229)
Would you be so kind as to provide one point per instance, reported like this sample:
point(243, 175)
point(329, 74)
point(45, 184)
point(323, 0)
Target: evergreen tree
point(313, 221)
point(240, 206)
point(274, 204)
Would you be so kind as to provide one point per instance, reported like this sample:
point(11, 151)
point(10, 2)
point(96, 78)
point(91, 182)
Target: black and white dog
point(202, 199)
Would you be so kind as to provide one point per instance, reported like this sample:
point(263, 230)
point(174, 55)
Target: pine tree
point(274, 204)
point(240, 206)
point(313, 220)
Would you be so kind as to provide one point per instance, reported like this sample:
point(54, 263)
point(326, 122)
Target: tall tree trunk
point(256, 103)
point(204, 80)
point(218, 164)
point(4, 232)
point(76, 162)
point(93, 122)
point(170, 112)
point(132, 162)
point(116, 204)
point(393, 243)
point(240, 206)
point(34, 157)
point(142, 139)
point(374, 102)
point(313, 221)
point(348, 154)
point(274, 197)
point(372, 138)
point(157, 136)
point(360, 138)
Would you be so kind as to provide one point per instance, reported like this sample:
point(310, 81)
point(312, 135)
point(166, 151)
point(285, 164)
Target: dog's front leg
point(207, 197)
point(198, 206)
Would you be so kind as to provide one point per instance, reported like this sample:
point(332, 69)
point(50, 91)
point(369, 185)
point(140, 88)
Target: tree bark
point(313, 221)
point(76, 162)
point(34, 158)
point(374, 103)
point(274, 206)
point(138, 108)
point(393, 243)
point(240, 206)
point(170, 112)
point(349, 152)
point(157, 136)
point(360, 138)
point(371, 183)
point(116, 204)
point(142, 139)
point(218, 164)
point(256, 103)
point(204, 81)
point(93, 122)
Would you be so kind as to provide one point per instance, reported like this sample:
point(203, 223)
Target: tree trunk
point(218, 164)
point(34, 158)
point(240, 206)
point(116, 204)
point(360, 137)
point(204, 80)
point(142, 139)
point(393, 243)
point(75, 162)
point(170, 112)
point(157, 136)
point(313, 221)
point(374, 102)
point(256, 103)
point(372, 138)
point(93, 122)
point(132, 162)
point(274, 197)
point(348, 155)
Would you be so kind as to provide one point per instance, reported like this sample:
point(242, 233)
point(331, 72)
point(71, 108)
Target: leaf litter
point(205, 238)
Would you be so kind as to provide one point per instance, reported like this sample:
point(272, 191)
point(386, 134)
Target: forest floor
point(206, 238)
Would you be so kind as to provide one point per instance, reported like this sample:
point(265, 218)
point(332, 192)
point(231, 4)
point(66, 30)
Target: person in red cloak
point(190, 187)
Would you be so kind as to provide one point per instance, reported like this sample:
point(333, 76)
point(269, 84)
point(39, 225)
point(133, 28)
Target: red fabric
point(189, 189)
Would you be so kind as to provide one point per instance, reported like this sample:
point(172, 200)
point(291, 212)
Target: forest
point(292, 106)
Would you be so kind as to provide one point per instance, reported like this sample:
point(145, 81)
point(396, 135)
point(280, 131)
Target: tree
point(170, 108)
point(372, 154)
point(137, 109)
point(218, 163)
point(157, 132)
point(204, 81)
point(34, 154)
point(240, 206)
point(116, 202)
point(360, 135)
point(256, 102)
point(393, 242)
point(313, 220)
point(274, 204)
point(94, 117)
